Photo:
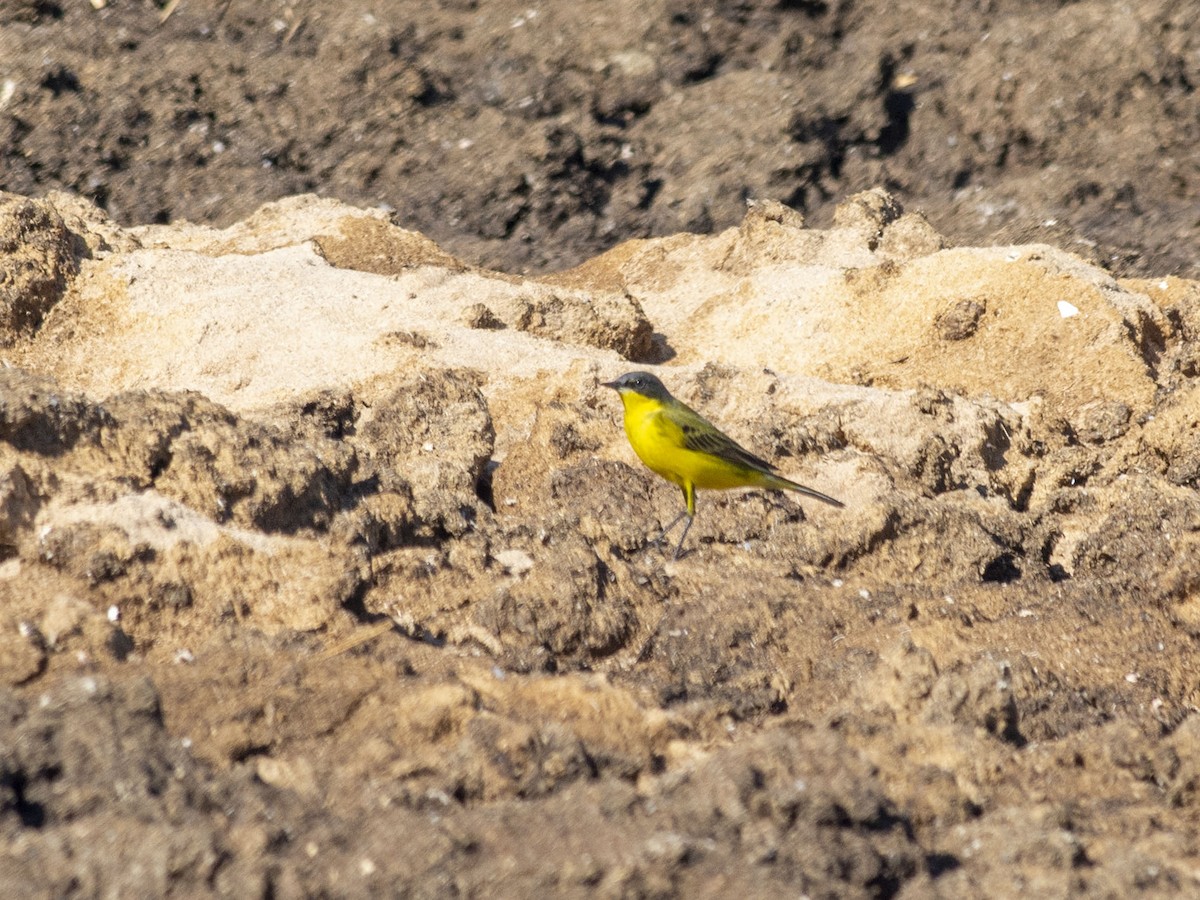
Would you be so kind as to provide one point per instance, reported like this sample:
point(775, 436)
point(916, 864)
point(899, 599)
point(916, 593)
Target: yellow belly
point(659, 444)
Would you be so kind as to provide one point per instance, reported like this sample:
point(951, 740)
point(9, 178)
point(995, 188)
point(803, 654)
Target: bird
point(677, 443)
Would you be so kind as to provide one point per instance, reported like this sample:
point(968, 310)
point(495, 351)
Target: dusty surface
point(529, 136)
point(323, 559)
point(325, 566)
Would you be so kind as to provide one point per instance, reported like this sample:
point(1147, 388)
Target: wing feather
point(702, 436)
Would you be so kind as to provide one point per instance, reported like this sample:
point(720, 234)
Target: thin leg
point(682, 537)
point(675, 521)
point(689, 512)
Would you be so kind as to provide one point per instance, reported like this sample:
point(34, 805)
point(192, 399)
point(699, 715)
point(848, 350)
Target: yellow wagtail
point(682, 446)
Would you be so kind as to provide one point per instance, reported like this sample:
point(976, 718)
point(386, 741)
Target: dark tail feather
point(778, 481)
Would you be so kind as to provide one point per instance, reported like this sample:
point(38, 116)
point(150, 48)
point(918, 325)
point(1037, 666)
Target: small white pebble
point(184, 655)
point(114, 613)
point(1066, 310)
point(515, 562)
point(1162, 285)
point(837, 582)
point(864, 593)
point(427, 446)
point(366, 867)
point(1024, 613)
point(1132, 678)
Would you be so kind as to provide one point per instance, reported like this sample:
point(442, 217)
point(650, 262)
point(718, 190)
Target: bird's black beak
point(609, 384)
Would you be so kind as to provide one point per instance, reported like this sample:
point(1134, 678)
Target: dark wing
point(702, 436)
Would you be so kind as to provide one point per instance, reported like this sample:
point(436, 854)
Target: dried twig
point(357, 639)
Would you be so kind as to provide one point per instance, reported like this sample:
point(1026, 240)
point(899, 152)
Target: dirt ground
point(529, 136)
point(324, 564)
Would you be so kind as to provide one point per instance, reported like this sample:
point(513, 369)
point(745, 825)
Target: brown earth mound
point(325, 566)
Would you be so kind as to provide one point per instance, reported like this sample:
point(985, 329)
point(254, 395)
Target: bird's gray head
point(640, 383)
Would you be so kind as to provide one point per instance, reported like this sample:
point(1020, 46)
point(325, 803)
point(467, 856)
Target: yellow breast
point(650, 436)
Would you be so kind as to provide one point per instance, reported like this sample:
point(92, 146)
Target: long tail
point(778, 482)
